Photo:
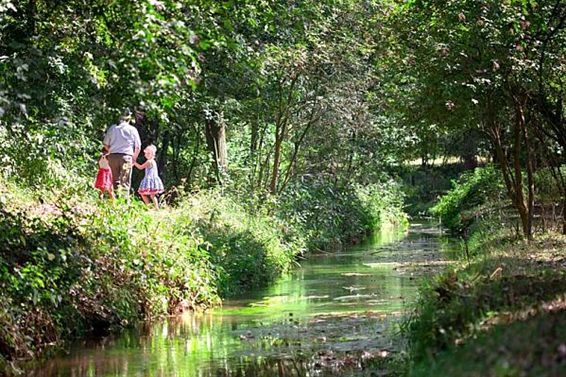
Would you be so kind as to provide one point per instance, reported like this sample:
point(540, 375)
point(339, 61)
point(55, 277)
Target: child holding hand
point(104, 176)
point(151, 184)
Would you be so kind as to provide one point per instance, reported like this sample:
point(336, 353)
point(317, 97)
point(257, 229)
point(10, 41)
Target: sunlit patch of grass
point(443, 160)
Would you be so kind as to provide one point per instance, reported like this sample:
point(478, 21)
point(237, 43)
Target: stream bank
point(337, 313)
point(503, 313)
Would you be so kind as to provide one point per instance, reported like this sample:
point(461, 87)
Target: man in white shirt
point(123, 143)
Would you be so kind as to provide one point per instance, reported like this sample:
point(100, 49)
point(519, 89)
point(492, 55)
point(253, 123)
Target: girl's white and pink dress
point(151, 183)
point(104, 175)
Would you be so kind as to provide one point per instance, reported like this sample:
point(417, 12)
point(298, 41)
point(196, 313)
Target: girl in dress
point(151, 184)
point(104, 176)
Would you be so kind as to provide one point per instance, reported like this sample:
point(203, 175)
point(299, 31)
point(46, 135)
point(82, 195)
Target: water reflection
point(332, 313)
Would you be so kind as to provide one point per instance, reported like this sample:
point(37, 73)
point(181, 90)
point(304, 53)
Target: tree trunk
point(215, 131)
point(254, 139)
point(513, 179)
point(256, 148)
point(297, 145)
point(281, 122)
point(279, 134)
point(162, 159)
point(529, 165)
point(194, 157)
point(263, 162)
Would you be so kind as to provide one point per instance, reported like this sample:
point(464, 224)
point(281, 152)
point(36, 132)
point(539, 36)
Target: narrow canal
point(331, 316)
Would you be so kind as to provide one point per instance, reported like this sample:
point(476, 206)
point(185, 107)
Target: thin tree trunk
point(279, 133)
point(176, 153)
point(194, 158)
point(263, 166)
point(254, 140)
point(162, 160)
point(215, 130)
point(522, 125)
point(350, 163)
point(513, 182)
point(554, 163)
point(518, 177)
point(297, 146)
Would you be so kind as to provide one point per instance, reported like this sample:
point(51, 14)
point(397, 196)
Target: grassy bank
point(501, 309)
point(502, 314)
point(71, 266)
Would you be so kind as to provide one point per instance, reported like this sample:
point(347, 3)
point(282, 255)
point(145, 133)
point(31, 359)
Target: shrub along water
point(467, 199)
point(68, 268)
point(70, 265)
point(331, 216)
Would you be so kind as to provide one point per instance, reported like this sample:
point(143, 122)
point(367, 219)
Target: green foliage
point(468, 198)
point(67, 267)
point(299, 68)
point(330, 216)
point(423, 185)
point(247, 250)
point(464, 58)
point(382, 204)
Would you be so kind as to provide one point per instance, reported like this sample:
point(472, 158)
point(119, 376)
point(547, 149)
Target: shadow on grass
point(532, 347)
point(499, 289)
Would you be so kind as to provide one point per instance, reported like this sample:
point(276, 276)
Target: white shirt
point(122, 138)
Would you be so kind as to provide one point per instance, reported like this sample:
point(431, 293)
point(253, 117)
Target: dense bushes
point(248, 249)
point(330, 216)
point(68, 268)
point(459, 207)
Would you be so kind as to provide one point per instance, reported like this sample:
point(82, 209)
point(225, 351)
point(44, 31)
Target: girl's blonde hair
point(151, 148)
